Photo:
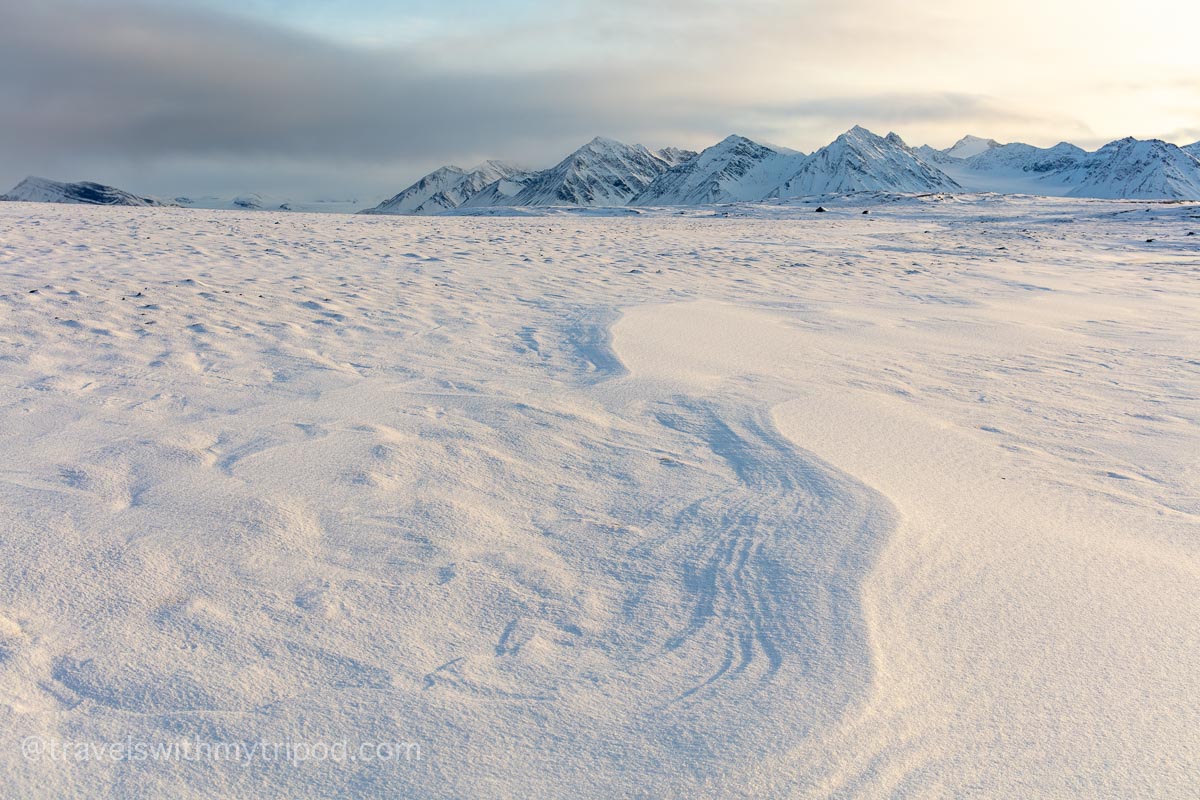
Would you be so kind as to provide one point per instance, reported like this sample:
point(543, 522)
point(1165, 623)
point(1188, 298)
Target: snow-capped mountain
point(859, 160)
point(969, 146)
point(469, 185)
point(735, 169)
point(44, 190)
point(407, 200)
point(1127, 168)
point(444, 188)
point(607, 173)
point(1149, 169)
point(604, 172)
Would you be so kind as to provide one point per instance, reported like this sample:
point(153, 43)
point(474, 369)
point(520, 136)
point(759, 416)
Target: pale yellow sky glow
point(1016, 70)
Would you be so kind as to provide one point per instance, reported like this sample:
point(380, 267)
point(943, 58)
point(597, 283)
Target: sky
point(355, 99)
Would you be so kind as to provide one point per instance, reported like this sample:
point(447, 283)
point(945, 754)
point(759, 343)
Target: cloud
point(142, 83)
point(1183, 136)
point(183, 97)
point(163, 82)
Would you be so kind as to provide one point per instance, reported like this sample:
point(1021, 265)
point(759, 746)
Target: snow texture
point(733, 501)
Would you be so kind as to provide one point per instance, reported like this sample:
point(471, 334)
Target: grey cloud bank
point(172, 98)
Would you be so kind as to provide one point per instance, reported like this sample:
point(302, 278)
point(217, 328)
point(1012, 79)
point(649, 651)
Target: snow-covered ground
point(745, 501)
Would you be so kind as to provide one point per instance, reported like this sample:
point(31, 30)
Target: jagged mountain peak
point(734, 169)
point(604, 172)
point(860, 160)
point(857, 134)
point(1139, 168)
point(605, 146)
point(736, 142)
point(860, 137)
point(735, 139)
point(445, 188)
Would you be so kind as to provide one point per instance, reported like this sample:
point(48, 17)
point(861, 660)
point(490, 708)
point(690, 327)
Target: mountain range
point(605, 172)
point(44, 190)
point(608, 173)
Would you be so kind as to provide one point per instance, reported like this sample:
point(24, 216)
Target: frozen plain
point(739, 502)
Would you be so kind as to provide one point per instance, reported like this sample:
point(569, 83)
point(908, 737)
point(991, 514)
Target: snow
point(735, 501)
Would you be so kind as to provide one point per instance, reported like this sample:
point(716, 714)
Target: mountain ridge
point(43, 190)
point(606, 173)
point(1129, 168)
point(719, 174)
